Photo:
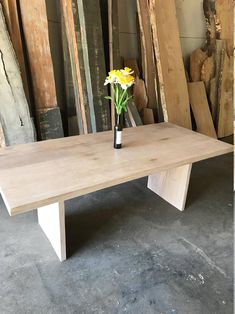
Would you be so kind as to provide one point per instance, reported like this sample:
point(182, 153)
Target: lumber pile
point(90, 49)
point(213, 65)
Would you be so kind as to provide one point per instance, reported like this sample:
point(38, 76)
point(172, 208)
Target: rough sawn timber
point(15, 118)
point(94, 61)
point(147, 54)
point(35, 29)
point(200, 108)
point(170, 67)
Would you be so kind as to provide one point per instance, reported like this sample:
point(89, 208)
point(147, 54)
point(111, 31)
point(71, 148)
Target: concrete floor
point(129, 252)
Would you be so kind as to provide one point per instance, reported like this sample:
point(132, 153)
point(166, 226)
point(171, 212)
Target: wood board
point(197, 58)
point(81, 103)
point(94, 61)
point(71, 114)
point(16, 38)
point(147, 54)
point(139, 94)
point(52, 169)
point(148, 116)
point(225, 98)
point(208, 71)
point(114, 52)
point(133, 115)
point(219, 16)
point(35, 29)
point(220, 45)
point(225, 23)
point(170, 67)
point(14, 111)
point(200, 108)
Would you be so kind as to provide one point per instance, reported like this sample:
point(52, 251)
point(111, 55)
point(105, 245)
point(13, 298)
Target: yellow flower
point(122, 77)
point(112, 77)
point(126, 81)
point(127, 71)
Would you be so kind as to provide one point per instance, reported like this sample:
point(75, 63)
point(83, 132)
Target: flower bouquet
point(120, 81)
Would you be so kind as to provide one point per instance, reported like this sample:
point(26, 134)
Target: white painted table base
point(171, 185)
point(51, 218)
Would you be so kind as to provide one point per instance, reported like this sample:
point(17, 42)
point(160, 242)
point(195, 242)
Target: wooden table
point(43, 175)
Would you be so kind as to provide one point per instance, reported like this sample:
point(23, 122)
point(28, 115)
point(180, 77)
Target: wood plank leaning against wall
point(170, 66)
point(15, 123)
point(12, 16)
point(35, 28)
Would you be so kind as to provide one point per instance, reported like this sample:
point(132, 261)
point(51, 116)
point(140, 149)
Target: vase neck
point(119, 119)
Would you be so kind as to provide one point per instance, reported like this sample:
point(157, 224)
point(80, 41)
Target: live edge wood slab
point(44, 174)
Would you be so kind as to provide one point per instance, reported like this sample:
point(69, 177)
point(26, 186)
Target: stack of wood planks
point(90, 46)
point(211, 71)
point(161, 85)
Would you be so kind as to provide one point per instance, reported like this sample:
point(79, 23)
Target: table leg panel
point(172, 185)
point(51, 219)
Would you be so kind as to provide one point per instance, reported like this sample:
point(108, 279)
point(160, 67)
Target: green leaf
point(108, 97)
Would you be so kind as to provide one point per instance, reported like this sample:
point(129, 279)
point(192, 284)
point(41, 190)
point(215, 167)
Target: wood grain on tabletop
point(42, 173)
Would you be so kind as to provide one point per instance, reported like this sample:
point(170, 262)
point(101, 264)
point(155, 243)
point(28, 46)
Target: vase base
point(117, 146)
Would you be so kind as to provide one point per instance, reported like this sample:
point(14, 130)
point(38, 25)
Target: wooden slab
point(35, 25)
point(133, 115)
point(225, 22)
point(43, 173)
point(208, 71)
point(14, 111)
point(220, 46)
point(171, 73)
point(220, 22)
point(81, 102)
point(200, 108)
point(210, 16)
point(35, 29)
point(114, 51)
point(148, 116)
point(147, 53)
point(225, 98)
point(16, 38)
point(197, 58)
point(94, 60)
point(139, 94)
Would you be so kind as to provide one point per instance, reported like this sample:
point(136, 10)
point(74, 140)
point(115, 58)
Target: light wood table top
point(38, 174)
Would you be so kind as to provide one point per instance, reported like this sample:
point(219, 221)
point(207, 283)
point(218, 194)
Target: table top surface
point(37, 174)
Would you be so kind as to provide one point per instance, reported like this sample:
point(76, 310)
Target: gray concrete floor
point(129, 252)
